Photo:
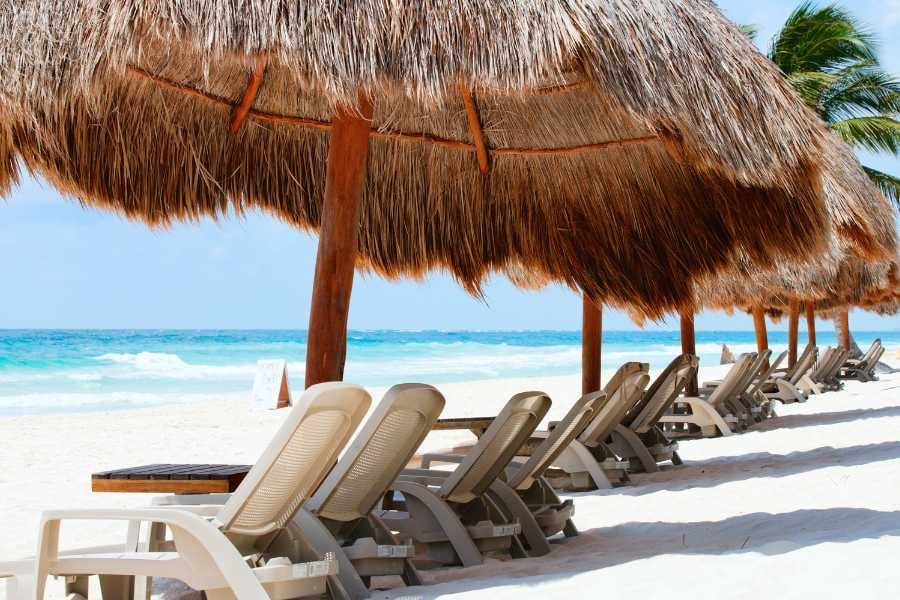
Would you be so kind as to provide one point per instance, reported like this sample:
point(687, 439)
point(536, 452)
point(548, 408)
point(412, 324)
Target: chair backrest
point(733, 378)
point(621, 374)
point(823, 365)
point(605, 419)
point(662, 393)
point(381, 449)
point(792, 371)
point(805, 363)
point(558, 440)
point(759, 366)
point(297, 459)
point(840, 358)
point(766, 374)
point(496, 447)
point(870, 353)
point(870, 366)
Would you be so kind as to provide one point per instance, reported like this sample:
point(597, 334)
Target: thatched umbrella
point(619, 146)
point(757, 289)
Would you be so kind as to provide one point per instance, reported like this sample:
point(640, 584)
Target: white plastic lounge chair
point(702, 416)
point(227, 555)
point(639, 439)
point(759, 406)
point(526, 496)
point(584, 463)
point(741, 403)
point(815, 381)
point(448, 513)
point(786, 388)
point(863, 369)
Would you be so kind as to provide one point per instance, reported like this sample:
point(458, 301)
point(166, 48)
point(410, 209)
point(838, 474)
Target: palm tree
point(832, 61)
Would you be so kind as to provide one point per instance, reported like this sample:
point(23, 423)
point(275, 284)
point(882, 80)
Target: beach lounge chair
point(816, 381)
point(742, 402)
point(830, 376)
point(588, 462)
point(526, 496)
point(863, 369)
point(708, 415)
point(760, 407)
point(224, 551)
point(639, 439)
point(448, 513)
point(338, 518)
point(786, 387)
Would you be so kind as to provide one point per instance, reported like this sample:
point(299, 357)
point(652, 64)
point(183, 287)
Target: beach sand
point(805, 505)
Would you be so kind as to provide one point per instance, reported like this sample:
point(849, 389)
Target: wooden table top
point(171, 479)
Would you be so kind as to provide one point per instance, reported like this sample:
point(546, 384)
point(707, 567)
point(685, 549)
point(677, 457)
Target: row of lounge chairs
point(315, 515)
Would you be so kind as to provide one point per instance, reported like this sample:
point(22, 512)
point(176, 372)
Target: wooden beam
point(844, 316)
point(689, 346)
point(759, 328)
point(793, 330)
point(481, 151)
point(292, 120)
point(239, 115)
point(810, 323)
point(591, 336)
point(345, 177)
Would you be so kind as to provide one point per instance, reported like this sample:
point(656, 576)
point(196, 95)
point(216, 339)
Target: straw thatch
point(843, 269)
point(632, 145)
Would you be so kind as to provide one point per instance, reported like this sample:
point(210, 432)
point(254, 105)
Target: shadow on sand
point(832, 418)
point(713, 472)
point(607, 547)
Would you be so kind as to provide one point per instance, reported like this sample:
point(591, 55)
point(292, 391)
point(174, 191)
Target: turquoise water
point(55, 370)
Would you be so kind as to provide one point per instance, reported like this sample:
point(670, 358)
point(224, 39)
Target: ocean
point(47, 371)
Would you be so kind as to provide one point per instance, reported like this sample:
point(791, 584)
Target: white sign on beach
point(270, 387)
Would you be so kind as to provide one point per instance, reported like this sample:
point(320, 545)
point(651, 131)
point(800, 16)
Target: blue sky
point(69, 267)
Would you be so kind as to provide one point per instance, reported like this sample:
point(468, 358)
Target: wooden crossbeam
point(280, 119)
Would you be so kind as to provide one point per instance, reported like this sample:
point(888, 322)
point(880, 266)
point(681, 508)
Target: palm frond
point(858, 90)
point(888, 184)
point(876, 133)
point(821, 39)
point(750, 30)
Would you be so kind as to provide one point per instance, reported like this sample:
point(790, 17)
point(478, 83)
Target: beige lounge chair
point(226, 555)
point(863, 369)
point(639, 439)
point(526, 496)
point(816, 380)
point(588, 462)
point(709, 415)
point(742, 403)
point(830, 376)
point(756, 402)
point(448, 514)
point(786, 388)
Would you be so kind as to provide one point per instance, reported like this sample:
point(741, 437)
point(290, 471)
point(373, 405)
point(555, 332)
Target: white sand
point(806, 505)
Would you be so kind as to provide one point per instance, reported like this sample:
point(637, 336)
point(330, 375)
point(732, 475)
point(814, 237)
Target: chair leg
point(510, 503)
point(117, 587)
point(637, 447)
point(311, 540)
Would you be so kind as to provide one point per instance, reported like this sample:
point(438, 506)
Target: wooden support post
point(689, 346)
point(759, 327)
point(591, 335)
point(793, 330)
point(348, 149)
point(844, 316)
point(810, 323)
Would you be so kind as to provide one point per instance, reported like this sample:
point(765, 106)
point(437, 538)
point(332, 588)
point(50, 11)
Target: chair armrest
point(430, 457)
